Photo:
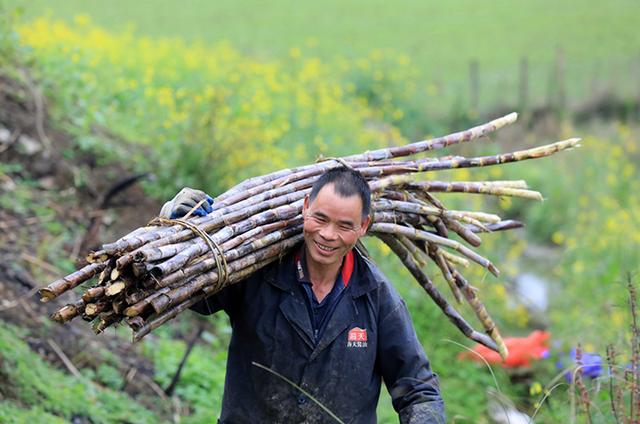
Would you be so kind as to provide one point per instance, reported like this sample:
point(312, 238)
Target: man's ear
point(305, 205)
point(365, 226)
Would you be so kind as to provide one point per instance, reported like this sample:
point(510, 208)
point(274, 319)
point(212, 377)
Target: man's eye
point(346, 227)
point(320, 219)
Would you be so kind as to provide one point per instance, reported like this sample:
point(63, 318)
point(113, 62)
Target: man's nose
point(328, 232)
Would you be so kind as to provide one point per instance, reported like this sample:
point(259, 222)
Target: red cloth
point(522, 350)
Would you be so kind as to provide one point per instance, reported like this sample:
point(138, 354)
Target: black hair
point(346, 182)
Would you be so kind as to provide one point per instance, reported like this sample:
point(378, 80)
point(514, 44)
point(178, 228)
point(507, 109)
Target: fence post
point(635, 74)
point(523, 92)
point(474, 87)
point(561, 95)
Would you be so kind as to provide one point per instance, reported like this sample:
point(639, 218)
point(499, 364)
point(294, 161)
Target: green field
point(169, 97)
point(599, 41)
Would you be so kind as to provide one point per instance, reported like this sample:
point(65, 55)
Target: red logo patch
point(358, 334)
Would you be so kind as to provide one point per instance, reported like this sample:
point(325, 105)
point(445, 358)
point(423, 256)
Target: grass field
point(599, 40)
point(207, 115)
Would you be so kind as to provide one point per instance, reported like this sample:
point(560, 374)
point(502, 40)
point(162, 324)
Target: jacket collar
point(284, 276)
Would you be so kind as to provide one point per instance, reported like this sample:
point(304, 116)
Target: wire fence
point(578, 88)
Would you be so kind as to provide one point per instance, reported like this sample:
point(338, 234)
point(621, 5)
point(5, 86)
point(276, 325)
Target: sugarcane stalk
point(461, 162)
point(413, 233)
point(481, 312)
point(379, 155)
point(212, 279)
point(450, 222)
point(424, 165)
point(156, 321)
point(283, 207)
point(454, 259)
point(508, 224)
point(420, 209)
point(284, 212)
point(69, 311)
point(404, 181)
point(418, 254)
point(135, 323)
point(218, 218)
point(395, 217)
point(390, 216)
point(436, 254)
point(140, 270)
point(424, 281)
point(155, 272)
point(69, 282)
point(92, 294)
point(134, 296)
point(105, 320)
point(105, 274)
point(465, 233)
point(119, 305)
point(139, 307)
point(477, 188)
point(114, 288)
point(436, 143)
point(91, 310)
point(209, 263)
point(495, 188)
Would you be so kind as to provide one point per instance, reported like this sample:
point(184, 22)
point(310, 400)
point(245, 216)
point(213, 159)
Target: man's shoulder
point(376, 282)
point(277, 273)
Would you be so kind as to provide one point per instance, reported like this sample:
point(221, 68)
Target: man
point(325, 318)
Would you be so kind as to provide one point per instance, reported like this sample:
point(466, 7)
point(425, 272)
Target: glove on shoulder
point(184, 201)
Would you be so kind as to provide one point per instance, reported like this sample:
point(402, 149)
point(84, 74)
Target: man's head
point(336, 213)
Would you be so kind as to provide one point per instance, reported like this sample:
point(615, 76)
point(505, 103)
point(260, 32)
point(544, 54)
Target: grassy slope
point(461, 375)
point(39, 393)
point(440, 37)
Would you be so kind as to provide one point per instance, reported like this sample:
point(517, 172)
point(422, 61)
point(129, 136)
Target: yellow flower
point(82, 19)
point(557, 237)
point(617, 318)
point(377, 54)
point(495, 172)
point(535, 389)
point(500, 291)
point(404, 60)
point(505, 202)
point(628, 170)
point(578, 267)
point(295, 52)
point(521, 316)
point(616, 152)
point(583, 201)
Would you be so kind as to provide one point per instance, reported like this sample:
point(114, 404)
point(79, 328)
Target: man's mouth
point(325, 248)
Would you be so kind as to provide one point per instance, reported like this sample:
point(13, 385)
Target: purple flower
point(591, 364)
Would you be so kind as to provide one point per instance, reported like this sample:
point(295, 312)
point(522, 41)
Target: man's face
point(332, 225)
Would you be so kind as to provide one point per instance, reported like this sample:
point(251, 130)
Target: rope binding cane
point(216, 250)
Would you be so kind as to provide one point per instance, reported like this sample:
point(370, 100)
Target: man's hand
point(186, 200)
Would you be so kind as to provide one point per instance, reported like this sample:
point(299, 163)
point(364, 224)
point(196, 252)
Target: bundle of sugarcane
point(152, 274)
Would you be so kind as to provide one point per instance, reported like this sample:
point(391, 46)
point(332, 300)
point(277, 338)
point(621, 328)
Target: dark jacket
point(369, 336)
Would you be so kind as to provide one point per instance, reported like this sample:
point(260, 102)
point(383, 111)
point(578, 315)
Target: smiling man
point(325, 318)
